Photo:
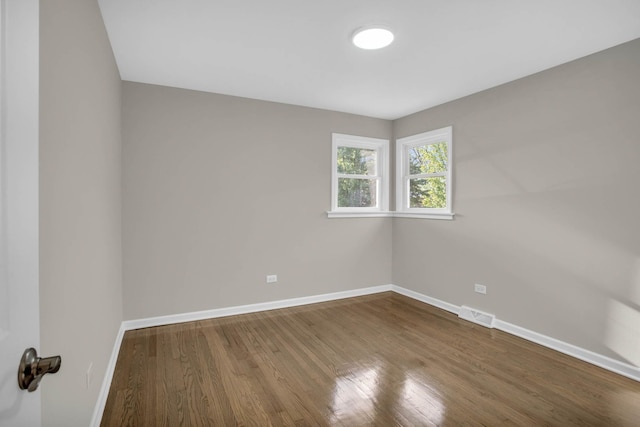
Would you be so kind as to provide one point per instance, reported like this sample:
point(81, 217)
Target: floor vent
point(475, 316)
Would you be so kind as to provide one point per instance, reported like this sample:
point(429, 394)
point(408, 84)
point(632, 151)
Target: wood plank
point(381, 359)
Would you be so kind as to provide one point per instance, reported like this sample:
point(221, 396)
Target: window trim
point(381, 146)
point(402, 177)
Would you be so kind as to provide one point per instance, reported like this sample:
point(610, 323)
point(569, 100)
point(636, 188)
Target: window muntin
point(359, 174)
point(423, 165)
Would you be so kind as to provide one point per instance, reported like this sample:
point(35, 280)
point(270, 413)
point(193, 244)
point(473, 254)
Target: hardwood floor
point(380, 360)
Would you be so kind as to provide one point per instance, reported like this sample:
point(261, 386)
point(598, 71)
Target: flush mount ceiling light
point(372, 38)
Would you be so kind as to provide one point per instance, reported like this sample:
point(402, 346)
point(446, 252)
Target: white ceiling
point(299, 51)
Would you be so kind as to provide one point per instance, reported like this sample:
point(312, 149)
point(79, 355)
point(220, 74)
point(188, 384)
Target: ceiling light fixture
point(372, 38)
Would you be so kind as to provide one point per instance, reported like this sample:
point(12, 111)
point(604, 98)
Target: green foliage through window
point(358, 191)
point(428, 192)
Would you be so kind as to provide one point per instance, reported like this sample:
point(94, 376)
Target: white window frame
point(402, 174)
point(381, 146)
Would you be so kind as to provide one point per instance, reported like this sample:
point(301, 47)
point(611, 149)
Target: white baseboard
point(128, 325)
point(96, 418)
point(585, 355)
point(602, 361)
point(426, 299)
point(250, 308)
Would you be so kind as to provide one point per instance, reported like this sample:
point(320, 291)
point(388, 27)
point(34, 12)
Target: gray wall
point(220, 191)
point(80, 205)
point(546, 197)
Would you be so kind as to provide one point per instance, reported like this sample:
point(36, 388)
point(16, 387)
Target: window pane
point(430, 158)
point(357, 193)
point(359, 161)
point(428, 192)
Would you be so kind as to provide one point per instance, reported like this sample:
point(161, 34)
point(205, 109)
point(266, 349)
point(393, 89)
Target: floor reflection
point(354, 396)
point(422, 401)
point(383, 393)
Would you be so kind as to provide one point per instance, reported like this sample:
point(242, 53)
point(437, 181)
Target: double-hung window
point(360, 176)
point(423, 175)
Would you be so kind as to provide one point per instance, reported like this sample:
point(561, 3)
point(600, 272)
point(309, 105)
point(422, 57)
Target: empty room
point(320, 213)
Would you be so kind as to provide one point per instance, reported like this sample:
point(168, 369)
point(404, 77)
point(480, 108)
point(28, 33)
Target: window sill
point(389, 214)
point(444, 216)
point(345, 214)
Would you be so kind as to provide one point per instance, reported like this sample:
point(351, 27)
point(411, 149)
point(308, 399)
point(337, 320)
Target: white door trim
point(19, 115)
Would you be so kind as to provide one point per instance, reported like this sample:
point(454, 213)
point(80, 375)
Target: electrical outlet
point(272, 278)
point(481, 289)
point(89, 375)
